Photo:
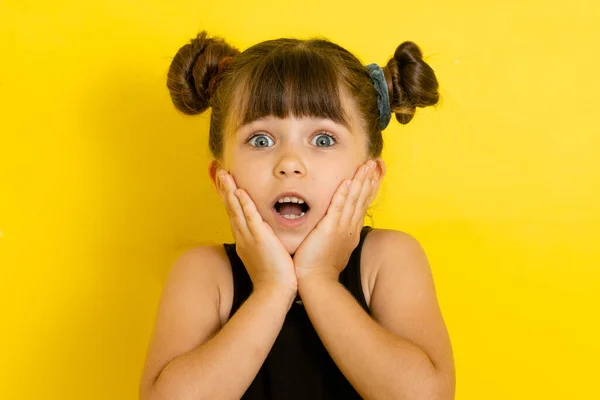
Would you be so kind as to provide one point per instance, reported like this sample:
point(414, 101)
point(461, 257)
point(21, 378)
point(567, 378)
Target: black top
point(298, 365)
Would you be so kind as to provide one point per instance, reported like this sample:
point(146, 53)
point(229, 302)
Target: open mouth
point(291, 207)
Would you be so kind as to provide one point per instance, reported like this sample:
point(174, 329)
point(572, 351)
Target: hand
point(264, 256)
point(327, 249)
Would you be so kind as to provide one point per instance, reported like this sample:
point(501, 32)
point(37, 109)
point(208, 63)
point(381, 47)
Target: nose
point(289, 165)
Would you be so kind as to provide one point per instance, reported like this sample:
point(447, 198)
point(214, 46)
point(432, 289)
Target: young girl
point(308, 303)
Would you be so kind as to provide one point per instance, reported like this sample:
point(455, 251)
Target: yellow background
point(103, 184)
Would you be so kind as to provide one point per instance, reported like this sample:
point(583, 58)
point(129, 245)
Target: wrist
point(277, 291)
point(308, 280)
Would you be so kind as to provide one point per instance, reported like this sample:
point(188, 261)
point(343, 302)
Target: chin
point(291, 245)
point(291, 239)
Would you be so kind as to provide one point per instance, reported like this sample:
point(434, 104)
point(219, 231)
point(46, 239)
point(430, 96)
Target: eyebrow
point(318, 120)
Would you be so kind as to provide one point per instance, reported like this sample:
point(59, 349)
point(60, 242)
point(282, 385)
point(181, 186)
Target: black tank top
point(298, 365)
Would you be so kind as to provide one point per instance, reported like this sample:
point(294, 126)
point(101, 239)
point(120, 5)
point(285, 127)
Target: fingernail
point(372, 164)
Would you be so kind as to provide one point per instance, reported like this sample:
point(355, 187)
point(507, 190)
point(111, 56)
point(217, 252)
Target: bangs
point(291, 82)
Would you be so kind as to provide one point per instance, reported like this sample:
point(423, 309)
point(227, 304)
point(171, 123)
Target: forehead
point(286, 82)
point(351, 122)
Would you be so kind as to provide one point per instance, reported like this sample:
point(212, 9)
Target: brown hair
point(283, 76)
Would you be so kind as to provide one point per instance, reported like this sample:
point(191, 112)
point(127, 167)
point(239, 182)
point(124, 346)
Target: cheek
point(331, 178)
point(248, 181)
point(253, 182)
point(246, 173)
point(343, 170)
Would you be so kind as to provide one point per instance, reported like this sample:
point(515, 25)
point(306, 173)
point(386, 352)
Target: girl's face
point(292, 167)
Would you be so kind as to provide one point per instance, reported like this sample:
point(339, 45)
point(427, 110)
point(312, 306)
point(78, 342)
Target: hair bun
point(408, 52)
point(413, 80)
point(193, 73)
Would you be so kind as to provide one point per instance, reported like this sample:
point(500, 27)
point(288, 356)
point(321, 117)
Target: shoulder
point(201, 262)
point(395, 256)
point(387, 248)
point(205, 268)
point(212, 255)
point(389, 239)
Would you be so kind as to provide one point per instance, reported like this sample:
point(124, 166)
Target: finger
point(376, 184)
point(354, 196)
point(253, 218)
point(221, 188)
point(364, 199)
point(336, 208)
point(236, 213)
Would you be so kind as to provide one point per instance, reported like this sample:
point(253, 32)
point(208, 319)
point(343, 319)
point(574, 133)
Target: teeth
point(292, 216)
point(291, 199)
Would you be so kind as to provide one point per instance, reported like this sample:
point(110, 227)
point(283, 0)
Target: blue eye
point(323, 140)
point(260, 141)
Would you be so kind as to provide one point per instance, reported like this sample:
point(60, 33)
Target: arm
point(405, 353)
point(189, 356)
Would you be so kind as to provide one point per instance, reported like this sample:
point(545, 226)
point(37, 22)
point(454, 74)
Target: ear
point(380, 168)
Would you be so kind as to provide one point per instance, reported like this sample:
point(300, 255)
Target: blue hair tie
point(383, 97)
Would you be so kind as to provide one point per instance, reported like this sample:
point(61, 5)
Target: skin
point(293, 162)
point(326, 163)
point(404, 351)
